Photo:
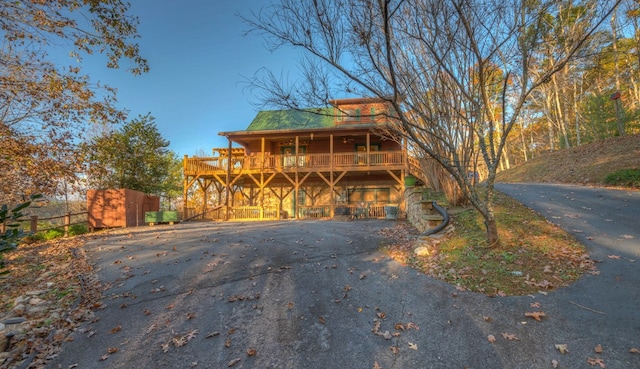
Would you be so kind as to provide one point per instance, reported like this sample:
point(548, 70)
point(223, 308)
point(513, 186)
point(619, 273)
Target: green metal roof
point(269, 120)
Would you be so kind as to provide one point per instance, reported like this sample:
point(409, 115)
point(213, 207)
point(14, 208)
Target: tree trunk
point(492, 230)
point(562, 123)
point(485, 207)
point(576, 110)
point(523, 142)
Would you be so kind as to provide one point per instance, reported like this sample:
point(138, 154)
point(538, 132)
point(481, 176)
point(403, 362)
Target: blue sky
point(198, 55)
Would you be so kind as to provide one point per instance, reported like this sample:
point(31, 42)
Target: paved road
point(606, 220)
point(308, 294)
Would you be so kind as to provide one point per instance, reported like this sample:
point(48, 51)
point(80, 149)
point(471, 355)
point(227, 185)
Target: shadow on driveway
point(316, 294)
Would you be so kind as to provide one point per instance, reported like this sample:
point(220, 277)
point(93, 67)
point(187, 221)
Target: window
point(350, 115)
point(369, 195)
point(289, 155)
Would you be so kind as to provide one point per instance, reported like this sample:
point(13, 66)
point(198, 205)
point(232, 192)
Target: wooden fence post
point(34, 224)
point(67, 222)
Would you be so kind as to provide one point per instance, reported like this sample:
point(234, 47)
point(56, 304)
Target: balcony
point(353, 161)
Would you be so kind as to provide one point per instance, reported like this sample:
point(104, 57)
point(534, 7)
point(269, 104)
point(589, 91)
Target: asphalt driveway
point(319, 294)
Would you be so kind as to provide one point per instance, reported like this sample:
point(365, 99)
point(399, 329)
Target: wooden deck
point(286, 175)
point(383, 160)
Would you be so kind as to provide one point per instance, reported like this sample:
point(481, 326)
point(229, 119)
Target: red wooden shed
point(119, 208)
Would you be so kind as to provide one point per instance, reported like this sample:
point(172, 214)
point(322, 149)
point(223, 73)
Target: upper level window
point(350, 115)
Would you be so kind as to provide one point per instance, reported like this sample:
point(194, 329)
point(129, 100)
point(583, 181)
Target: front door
point(289, 155)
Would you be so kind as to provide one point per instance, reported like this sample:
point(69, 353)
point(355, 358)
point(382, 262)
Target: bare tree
point(457, 73)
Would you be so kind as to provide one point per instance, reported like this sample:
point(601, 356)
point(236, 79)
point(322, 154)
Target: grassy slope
point(587, 164)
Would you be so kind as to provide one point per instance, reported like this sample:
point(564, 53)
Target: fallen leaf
point(376, 365)
point(322, 320)
point(115, 329)
point(598, 349)
point(251, 352)
point(510, 337)
point(146, 312)
point(411, 325)
point(376, 326)
point(112, 350)
point(212, 334)
point(191, 335)
point(190, 315)
point(381, 314)
point(535, 315)
point(233, 362)
point(613, 256)
point(413, 346)
point(562, 348)
point(596, 361)
point(554, 363)
point(165, 347)
point(399, 327)
point(487, 319)
point(491, 338)
point(394, 349)
point(104, 357)
point(634, 350)
point(179, 341)
point(534, 304)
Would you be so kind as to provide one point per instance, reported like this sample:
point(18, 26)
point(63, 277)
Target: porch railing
point(201, 165)
point(304, 212)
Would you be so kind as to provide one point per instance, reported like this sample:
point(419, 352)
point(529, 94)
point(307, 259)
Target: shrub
point(624, 177)
point(77, 229)
point(11, 237)
point(50, 234)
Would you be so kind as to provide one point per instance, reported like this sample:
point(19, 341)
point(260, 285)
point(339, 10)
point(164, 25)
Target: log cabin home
point(314, 163)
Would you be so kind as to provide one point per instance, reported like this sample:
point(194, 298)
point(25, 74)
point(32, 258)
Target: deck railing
point(358, 211)
point(200, 165)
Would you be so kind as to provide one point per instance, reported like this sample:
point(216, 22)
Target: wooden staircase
point(415, 169)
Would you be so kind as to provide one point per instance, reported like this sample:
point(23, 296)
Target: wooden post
point(184, 188)
point(332, 195)
point(228, 180)
point(297, 187)
point(67, 223)
point(34, 224)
